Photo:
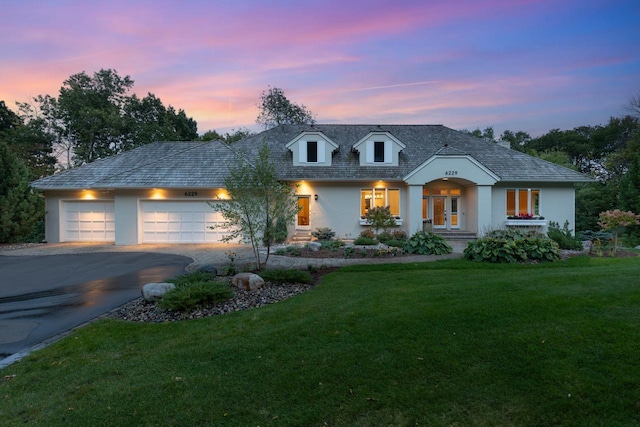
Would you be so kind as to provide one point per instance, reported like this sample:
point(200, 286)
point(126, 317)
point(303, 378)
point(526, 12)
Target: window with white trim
point(380, 197)
point(523, 202)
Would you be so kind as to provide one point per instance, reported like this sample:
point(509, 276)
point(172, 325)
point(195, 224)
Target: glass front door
point(303, 212)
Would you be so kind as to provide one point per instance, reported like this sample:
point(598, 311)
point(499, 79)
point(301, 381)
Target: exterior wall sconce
point(315, 197)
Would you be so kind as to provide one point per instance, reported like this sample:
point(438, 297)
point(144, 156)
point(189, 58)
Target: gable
point(312, 149)
point(379, 149)
point(449, 167)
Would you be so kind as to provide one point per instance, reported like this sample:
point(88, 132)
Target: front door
point(439, 212)
point(302, 221)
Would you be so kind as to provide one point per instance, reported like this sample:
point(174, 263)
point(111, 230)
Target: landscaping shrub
point(190, 295)
point(427, 243)
point(399, 235)
point(365, 241)
point(563, 237)
point(281, 230)
point(289, 251)
point(281, 275)
point(194, 277)
point(323, 233)
point(510, 246)
point(332, 245)
point(395, 243)
point(384, 236)
point(368, 233)
point(366, 238)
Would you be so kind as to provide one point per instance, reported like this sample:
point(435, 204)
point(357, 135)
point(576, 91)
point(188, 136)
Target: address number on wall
point(451, 173)
point(190, 193)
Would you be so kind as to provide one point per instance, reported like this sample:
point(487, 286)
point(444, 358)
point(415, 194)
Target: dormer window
point(378, 151)
point(312, 151)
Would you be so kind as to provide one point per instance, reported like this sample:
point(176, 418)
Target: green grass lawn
point(441, 343)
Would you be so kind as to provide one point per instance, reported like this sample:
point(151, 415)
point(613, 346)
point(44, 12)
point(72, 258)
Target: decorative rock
point(155, 291)
point(314, 246)
point(209, 268)
point(247, 281)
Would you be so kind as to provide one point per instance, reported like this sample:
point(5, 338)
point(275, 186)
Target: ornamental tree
point(258, 202)
point(380, 217)
point(615, 221)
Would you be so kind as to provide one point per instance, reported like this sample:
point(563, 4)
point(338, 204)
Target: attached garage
point(88, 221)
point(166, 221)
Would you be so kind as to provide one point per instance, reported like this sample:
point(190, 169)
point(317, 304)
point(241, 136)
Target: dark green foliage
point(289, 251)
point(20, 207)
point(594, 235)
point(193, 277)
point(281, 232)
point(563, 237)
point(365, 241)
point(194, 294)
point(323, 233)
point(427, 243)
point(280, 276)
point(396, 243)
point(332, 245)
point(509, 246)
point(384, 236)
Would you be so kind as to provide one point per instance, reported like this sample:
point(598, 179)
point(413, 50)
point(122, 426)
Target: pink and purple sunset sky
point(512, 64)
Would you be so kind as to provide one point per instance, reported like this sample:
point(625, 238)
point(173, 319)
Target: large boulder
point(155, 291)
point(247, 281)
point(314, 246)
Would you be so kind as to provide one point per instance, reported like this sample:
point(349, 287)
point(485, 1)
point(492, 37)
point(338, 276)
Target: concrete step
point(456, 235)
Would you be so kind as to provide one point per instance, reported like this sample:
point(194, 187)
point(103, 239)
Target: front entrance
point(303, 220)
point(444, 209)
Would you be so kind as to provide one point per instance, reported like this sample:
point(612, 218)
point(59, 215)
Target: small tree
point(380, 217)
point(616, 220)
point(258, 201)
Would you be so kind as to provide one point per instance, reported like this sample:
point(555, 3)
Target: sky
point(521, 65)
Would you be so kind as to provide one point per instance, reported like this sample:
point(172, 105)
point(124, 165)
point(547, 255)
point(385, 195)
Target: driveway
point(44, 296)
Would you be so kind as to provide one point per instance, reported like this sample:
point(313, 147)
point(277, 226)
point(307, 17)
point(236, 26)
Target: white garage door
point(180, 222)
point(89, 221)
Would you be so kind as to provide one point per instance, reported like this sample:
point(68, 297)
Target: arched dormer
point(312, 149)
point(379, 149)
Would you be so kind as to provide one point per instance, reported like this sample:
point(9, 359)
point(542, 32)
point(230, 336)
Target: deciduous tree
point(276, 109)
point(258, 200)
point(20, 207)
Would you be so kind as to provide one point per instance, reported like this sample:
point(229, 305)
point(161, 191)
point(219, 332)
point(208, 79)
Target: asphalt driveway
point(44, 296)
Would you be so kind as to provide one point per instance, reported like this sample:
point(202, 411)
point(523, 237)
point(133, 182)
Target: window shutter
point(370, 149)
point(321, 152)
point(388, 152)
point(302, 151)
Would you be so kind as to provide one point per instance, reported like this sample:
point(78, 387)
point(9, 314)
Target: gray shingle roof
point(205, 164)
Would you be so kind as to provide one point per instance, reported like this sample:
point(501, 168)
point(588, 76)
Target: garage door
point(89, 221)
point(180, 222)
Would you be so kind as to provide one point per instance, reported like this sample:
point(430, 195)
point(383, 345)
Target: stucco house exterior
point(426, 174)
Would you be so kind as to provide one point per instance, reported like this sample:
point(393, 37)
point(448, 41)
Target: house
point(426, 174)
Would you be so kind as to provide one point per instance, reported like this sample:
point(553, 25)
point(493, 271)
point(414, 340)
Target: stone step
point(301, 236)
point(456, 235)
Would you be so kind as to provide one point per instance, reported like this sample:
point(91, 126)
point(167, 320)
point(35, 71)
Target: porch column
point(414, 220)
point(484, 209)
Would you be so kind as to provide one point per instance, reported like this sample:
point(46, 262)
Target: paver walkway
point(217, 254)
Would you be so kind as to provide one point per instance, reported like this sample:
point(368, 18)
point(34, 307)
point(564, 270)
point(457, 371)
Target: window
point(380, 197)
point(523, 201)
point(312, 152)
point(378, 151)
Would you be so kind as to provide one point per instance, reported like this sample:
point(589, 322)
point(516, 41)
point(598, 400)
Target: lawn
point(441, 343)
